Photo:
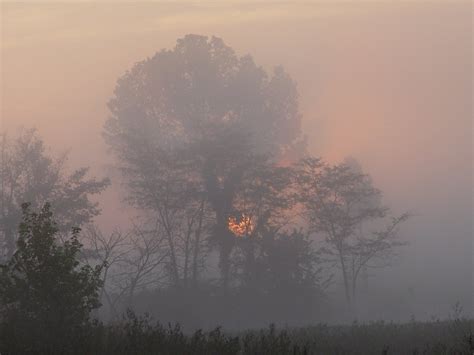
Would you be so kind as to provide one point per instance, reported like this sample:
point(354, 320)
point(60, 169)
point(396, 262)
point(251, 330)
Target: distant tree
point(292, 276)
point(341, 204)
point(292, 262)
point(45, 295)
point(202, 103)
point(29, 174)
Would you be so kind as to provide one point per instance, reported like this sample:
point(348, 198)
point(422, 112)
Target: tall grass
point(141, 335)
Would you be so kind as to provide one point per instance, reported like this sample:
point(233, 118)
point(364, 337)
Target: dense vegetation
point(140, 335)
point(137, 335)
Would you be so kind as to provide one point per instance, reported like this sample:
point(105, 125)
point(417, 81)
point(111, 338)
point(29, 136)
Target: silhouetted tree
point(45, 295)
point(341, 203)
point(29, 174)
point(214, 110)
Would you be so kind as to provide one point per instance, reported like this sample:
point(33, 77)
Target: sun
point(241, 227)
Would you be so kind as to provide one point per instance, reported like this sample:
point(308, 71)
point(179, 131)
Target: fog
point(389, 84)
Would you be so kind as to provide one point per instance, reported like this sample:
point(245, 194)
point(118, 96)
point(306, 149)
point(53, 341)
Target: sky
point(389, 83)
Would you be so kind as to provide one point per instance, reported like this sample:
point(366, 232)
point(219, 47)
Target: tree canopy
point(197, 92)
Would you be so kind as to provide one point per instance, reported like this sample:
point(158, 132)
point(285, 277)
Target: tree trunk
point(197, 241)
point(345, 277)
point(173, 262)
point(250, 272)
point(173, 259)
point(224, 239)
point(9, 242)
point(354, 286)
point(224, 258)
point(186, 258)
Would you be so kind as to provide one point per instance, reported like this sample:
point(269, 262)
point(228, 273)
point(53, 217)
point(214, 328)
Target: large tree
point(29, 174)
point(214, 111)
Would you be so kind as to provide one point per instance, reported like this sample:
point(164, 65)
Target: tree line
point(233, 212)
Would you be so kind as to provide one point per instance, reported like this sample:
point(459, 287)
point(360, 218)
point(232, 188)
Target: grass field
point(139, 336)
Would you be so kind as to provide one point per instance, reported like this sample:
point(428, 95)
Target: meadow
point(140, 335)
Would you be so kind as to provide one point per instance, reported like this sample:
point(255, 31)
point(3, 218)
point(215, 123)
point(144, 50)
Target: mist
point(387, 84)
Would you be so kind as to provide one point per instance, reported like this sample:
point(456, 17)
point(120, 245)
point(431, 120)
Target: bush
point(46, 297)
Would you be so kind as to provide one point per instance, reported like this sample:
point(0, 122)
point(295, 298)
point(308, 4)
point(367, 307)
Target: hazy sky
point(389, 83)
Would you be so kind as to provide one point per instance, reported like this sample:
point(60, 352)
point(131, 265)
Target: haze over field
point(389, 84)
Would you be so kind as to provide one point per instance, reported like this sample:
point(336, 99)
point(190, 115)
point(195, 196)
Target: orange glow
point(242, 227)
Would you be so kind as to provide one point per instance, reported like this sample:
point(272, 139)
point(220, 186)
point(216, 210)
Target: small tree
point(46, 298)
point(342, 205)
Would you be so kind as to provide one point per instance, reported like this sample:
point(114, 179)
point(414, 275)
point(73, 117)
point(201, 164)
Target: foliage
point(46, 296)
point(29, 174)
point(201, 91)
point(140, 335)
point(137, 335)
